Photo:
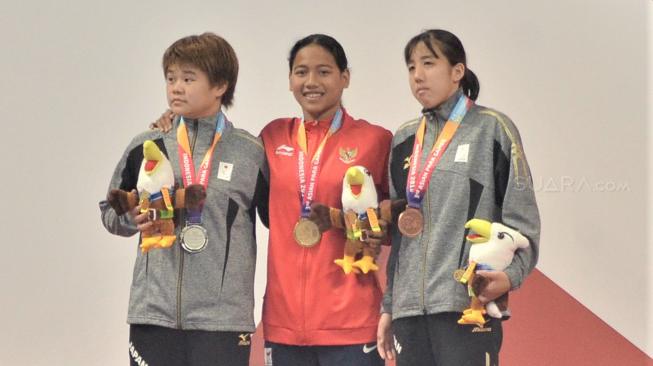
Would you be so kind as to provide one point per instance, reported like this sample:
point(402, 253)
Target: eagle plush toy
point(493, 248)
point(154, 195)
point(359, 204)
point(362, 218)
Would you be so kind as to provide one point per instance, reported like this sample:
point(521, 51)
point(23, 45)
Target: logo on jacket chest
point(284, 150)
point(462, 156)
point(348, 155)
point(225, 170)
point(462, 153)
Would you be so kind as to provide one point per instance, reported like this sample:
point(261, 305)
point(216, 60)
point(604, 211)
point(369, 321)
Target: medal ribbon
point(186, 160)
point(418, 182)
point(307, 194)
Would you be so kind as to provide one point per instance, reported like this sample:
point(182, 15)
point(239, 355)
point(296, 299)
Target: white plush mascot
point(359, 204)
point(493, 247)
point(156, 196)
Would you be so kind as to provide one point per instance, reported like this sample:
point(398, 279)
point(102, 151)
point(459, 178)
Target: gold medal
point(411, 222)
point(306, 232)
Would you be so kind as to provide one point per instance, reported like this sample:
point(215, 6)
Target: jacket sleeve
point(262, 194)
point(124, 177)
point(383, 188)
point(516, 197)
point(395, 236)
point(386, 305)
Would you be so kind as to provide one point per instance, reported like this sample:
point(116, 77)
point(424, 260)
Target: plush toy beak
point(152, 156)
point(480, 230)
point(355, 179)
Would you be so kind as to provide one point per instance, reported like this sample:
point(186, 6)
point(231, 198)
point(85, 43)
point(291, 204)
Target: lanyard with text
point(418, 182)
point(186, 159)
point(308, 193)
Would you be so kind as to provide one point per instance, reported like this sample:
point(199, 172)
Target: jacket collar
point(443, 111)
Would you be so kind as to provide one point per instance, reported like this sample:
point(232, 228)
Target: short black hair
point(327, 42)
point(211, 54)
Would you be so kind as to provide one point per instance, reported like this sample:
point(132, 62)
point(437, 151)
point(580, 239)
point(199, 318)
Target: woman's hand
point(384, 337)
point(375, 239)
point(492, 285)
point(141, 220)
point(164, 123)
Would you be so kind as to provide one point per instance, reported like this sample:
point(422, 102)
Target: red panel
point(548, 328)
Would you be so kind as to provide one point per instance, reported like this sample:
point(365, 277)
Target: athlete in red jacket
point(309, 302)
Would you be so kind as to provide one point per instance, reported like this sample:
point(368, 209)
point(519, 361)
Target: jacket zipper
point(304, 270)
point(427, 220)
point(181, 251)
point(310, 134)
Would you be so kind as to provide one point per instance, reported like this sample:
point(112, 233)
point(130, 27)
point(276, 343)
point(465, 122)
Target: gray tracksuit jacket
point(482, 174)
point(213, 289)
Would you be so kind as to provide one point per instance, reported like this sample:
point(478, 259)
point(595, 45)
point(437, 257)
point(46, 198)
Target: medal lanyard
point(417, 182)
point(308, 193)
point(186, 161)
point(186, 155)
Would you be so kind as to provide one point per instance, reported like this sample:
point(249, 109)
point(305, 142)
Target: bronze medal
point(411, 222)
point(306, 232)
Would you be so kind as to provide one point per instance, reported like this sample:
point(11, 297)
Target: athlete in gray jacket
point(484, 174)
point(192, 303)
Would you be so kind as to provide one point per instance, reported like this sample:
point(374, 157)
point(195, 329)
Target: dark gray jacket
point(214, 289)
point(483, 174)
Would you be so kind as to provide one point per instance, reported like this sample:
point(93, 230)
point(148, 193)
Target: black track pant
point(348, 355)
point(438, 340)
point(158, 346)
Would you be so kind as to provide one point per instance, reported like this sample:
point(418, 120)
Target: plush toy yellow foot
point(150, 243)
point(347, 264)
point(166, 241)
point(366, 264)
point(472, 316)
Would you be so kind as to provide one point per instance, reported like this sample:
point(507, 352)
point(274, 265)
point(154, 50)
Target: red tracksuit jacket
point(309, 300)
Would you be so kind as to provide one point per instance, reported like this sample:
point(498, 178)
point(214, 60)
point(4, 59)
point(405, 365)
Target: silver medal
point(194, 238)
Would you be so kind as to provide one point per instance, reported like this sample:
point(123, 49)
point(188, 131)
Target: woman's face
point(317, 83)
point(432, 79)
point(190, 93)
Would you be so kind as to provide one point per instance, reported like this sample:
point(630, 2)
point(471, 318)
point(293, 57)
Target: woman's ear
point(219, 90)
point(345, 76)
point(458, 72)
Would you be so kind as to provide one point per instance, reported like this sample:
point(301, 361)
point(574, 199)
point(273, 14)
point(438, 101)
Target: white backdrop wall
point(80, 79)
